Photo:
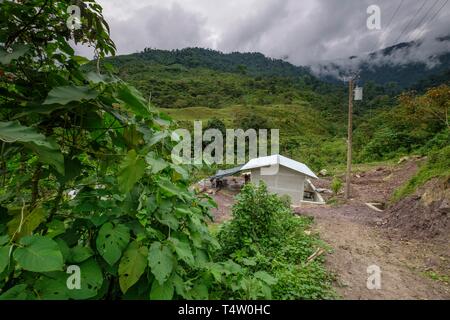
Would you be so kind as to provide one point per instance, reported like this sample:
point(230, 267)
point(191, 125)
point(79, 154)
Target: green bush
point(336, 185)
point(265, 236)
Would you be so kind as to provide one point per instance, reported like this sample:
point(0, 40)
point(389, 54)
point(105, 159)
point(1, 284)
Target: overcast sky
point(300, 31)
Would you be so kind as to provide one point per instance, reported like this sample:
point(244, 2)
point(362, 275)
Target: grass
point(295, 119)
point(437, 276)
point(305, 135)
point(437, 166)
point(340, 169)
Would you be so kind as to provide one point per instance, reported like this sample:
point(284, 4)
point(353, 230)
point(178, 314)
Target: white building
point(282, 176)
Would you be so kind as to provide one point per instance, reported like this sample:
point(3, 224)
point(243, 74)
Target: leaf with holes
point(111, 241)
point(53, 286)
point(132, 265)
point(39, 254)
point(91, 281)
point(161, 261)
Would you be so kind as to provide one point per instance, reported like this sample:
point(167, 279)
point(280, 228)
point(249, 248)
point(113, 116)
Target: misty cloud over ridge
point(302, 32)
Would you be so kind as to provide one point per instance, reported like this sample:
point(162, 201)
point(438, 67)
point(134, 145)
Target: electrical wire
point(388, 25)
point(409, 23)
point(423, 18)
point(435, 15)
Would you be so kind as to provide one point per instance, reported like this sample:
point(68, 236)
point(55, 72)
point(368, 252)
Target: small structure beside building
point(282, 176)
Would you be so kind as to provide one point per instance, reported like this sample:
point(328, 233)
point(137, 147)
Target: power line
point(435, 15)
point(423, 18)
point(410, 21)
point(395, 13)
point(389, 23)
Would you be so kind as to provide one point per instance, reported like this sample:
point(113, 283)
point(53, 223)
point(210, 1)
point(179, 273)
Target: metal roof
point(226, 173)
point(282, 161)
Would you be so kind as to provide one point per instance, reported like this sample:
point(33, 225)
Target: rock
point(444, 207)
point(403, 159)
point(323, 172)
point(322, 190)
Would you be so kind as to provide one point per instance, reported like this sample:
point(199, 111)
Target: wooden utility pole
point(349, 139)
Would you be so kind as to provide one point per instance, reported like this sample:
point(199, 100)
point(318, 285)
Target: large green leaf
point(132, 265)
point(161, 292)
point(18, 292)
point(183, 250)
point(168, 187)
point(79, 254)
point(111, 241)
point(91, 281)
point(13, 131)
point(51, 155)
point(64, 95)
point(48, 150)
point(4, 257)
point(157, 165)
point(132, 169)
point(161, 261)
point(133, 99)
point(54, 286)
point(39, 254)
point(27, 222)
point(17, 51)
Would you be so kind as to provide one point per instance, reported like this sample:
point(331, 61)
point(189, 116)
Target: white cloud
point(306, 31)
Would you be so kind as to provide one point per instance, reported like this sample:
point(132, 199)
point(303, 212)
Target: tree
point(437, 102)
point(87, 181)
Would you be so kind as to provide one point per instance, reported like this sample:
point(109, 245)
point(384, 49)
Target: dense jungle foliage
point(87, 181)
point(265, 236)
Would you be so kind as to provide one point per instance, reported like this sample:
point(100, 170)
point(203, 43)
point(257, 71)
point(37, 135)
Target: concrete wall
point(286, 182)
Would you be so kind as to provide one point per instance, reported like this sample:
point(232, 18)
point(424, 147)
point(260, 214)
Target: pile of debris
point(423, 215)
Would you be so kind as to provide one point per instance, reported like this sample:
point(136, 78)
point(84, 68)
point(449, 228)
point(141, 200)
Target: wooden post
point(349, 140)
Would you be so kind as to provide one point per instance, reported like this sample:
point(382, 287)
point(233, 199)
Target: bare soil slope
point(361, 237)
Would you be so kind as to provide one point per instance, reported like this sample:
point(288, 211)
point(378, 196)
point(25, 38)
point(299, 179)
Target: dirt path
point(357, 245)
point(353, 231)
point(358, 240)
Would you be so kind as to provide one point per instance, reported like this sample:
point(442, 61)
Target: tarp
point(225, 173)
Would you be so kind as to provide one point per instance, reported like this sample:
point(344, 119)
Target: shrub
point(265, 236)
point(336, 185)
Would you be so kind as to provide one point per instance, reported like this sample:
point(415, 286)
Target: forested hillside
point(198, 84)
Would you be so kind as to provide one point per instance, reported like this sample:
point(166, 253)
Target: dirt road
point(358, 240)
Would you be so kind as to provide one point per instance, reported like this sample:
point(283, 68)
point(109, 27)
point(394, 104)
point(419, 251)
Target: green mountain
point(254, 64)
point(247, 90)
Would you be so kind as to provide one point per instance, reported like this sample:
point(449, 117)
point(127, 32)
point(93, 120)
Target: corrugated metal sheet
point(282, 161)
